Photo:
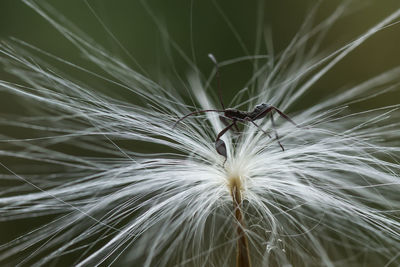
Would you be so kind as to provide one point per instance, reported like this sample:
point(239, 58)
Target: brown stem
point(242, 250)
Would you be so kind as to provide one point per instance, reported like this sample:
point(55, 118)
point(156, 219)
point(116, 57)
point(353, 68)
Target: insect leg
point(195, 112)
point(220, 144)
point(236, 126)
point(276, 132)
point(214, 60)
point(258, 126)
point(226, 122)
point(285, 116)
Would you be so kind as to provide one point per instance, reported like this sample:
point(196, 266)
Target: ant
point(235, 115)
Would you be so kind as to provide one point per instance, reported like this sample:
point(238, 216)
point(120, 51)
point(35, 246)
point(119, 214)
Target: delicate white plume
point(116, 184)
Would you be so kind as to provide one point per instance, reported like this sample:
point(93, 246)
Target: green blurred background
point(204, 23)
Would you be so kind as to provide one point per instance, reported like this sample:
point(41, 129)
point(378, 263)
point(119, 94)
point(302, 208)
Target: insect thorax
point(260, 108)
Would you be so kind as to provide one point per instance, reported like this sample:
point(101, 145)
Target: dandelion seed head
point(122, 185)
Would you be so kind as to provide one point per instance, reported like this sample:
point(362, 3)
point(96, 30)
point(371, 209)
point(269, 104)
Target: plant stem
point(242, 250)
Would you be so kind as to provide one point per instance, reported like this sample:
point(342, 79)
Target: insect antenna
point(213, 59)
point(196, 112)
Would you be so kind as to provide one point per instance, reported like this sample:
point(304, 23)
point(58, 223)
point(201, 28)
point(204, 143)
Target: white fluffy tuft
point(116, 184)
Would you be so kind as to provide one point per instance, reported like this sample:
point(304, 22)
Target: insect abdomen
point(234, 113)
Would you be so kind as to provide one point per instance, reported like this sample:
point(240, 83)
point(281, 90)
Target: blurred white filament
point(115, 184)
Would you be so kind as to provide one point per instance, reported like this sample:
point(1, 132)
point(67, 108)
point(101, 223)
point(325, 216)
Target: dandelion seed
point(113, 184)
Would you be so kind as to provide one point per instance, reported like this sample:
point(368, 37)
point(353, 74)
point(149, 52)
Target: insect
point(234, 115)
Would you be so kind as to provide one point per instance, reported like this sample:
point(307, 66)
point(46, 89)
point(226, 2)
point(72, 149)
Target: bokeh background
point(198, 27)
